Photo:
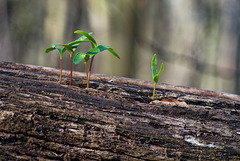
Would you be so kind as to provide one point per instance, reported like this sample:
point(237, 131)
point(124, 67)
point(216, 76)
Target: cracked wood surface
point(113, 120)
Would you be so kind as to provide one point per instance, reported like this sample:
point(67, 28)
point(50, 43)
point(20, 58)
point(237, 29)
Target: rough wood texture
point(113, 120)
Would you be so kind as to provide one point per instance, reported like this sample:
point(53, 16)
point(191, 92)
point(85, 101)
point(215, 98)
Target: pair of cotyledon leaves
point(72, 46)
point(95, 49)
point(155, 73)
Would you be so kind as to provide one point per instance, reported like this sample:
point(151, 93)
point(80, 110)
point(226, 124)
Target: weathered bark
point(113, 120)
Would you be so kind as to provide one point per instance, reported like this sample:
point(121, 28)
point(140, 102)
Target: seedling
point(91, 53)
point(155, 73)
point(61, 57)
point(70, 47)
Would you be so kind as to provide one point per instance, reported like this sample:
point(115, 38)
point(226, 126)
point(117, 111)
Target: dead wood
point(113, 120)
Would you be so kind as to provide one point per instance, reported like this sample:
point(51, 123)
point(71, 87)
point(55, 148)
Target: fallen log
point(115, 119)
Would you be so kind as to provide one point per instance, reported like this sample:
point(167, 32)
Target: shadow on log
point(113, 120)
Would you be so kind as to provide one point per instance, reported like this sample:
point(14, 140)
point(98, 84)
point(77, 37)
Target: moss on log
point(113, 120)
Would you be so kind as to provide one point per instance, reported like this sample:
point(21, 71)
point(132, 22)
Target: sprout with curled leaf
point(155, 73)
point(70, 47)
point(91, 53)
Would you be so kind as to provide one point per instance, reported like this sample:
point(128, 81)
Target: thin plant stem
point(70, 69)
point(90, 69)
point(155, 84)
point(87, 74)
point(60, 71)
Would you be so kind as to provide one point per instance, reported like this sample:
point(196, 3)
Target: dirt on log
point(115, 119)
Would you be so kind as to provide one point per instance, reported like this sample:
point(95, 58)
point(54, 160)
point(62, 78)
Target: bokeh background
point(197, 40)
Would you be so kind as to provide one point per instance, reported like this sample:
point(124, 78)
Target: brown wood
point(114, 119)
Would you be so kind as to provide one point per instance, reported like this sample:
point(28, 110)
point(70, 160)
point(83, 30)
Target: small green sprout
point(70, 47)
point(155, 73)
point(91, 53)
point(61, 57)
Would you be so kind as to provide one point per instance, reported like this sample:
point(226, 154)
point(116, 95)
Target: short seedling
point(61, 57)
point(155, 73)
point(70, 47)
point(91, 53)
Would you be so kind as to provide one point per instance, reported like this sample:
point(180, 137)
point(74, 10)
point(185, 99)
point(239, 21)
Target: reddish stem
point(90, 69)
point(70, 69)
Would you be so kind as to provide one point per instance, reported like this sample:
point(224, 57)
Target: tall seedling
point(91, 53)
point(70, 47)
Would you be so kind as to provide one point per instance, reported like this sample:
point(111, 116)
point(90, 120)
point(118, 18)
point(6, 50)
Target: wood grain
point(113, 120)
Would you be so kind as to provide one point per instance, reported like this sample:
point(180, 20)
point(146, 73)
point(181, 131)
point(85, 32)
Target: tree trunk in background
point(113, 24)
point(25, 22)
point(237, 73)
point(237, 63)
point(55, 24)
point(5, 40)
point(113, 120)
point(211, 41)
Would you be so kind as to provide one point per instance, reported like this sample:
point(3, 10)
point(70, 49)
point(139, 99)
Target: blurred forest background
point(197, 40)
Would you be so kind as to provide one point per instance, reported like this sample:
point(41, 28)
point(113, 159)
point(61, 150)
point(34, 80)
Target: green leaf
point(156, 78)
point(56, 44)
point(154, 65)
point(76, 43)
point(78, 57)
point(50, 49)
point(92, 40)
point(68, 48)
point(101, 48)
point(155, 72)
point(84, 37)
point(59, 50)
point(114, 53)
point(161, 69)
